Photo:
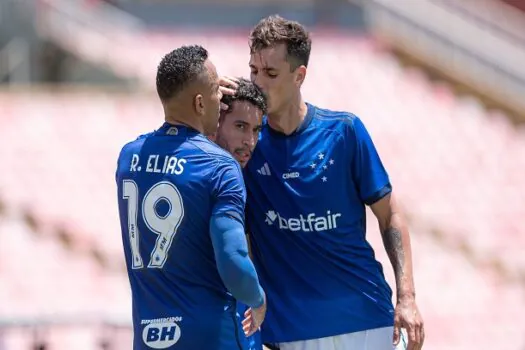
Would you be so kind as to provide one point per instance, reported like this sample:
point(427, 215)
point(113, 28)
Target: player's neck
point(289, 118)
point(187, 123)
point(178, 116)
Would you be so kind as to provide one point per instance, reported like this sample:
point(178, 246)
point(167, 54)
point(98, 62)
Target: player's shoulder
point(324, 117)
point(213, 150)
point(341, 122)
point(222, 167)
point(218, 160)
point(134, 145)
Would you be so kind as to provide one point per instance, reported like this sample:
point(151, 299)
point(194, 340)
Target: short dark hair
point(246, 91)
point(274, 30)
point(178, 68)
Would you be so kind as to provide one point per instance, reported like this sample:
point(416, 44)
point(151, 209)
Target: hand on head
point(228, 86)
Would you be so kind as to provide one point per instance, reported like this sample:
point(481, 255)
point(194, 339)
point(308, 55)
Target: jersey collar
point(310, 113)
point(168, 129)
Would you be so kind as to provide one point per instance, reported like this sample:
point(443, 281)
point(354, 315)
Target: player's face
point(212, 100)
point(270, 70)
point(239, 129)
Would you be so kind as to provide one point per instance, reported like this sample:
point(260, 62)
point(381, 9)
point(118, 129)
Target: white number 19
point(164, 226)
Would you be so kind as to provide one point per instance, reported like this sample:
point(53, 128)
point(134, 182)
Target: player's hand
point(227, 86)
point(407, 316)
point(253, 319)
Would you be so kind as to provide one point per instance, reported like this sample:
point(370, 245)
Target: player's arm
point(249, 245)
point(396, 240)
point(228, 235)
point(233, 262)
point(247, 234)
point(376, 191)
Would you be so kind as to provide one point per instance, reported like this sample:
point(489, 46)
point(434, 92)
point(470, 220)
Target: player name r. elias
point(158, 164)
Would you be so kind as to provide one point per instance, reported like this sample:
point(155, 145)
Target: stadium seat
point(456, 168)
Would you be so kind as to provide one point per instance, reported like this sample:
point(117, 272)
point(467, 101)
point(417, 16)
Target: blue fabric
point(306, 217)
point(170, 183)
point(234, 265)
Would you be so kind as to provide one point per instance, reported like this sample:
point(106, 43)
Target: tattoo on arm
point(393, 243)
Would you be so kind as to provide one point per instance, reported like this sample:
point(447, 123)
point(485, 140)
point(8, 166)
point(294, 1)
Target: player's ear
point(300, 75)
point(198, 104)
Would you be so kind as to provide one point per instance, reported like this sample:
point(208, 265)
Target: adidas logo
point(264, 170)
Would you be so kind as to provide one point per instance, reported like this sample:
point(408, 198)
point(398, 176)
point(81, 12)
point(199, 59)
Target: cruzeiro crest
point(320, 164)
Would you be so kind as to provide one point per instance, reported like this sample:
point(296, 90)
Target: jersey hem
point(329, 334)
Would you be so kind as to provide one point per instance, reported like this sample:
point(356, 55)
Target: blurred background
point(439, 83)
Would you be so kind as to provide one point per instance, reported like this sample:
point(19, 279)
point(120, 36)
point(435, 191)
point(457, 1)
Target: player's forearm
point(233, 263)
point(396, 240)
point(239, 277)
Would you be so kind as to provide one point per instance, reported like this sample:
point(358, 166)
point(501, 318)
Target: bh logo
point(161, 335)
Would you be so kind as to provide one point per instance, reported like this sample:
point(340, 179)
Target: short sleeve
point(368, 172)
point(229, 192)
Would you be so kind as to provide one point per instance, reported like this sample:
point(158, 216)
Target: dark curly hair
point(274, 30)
point(178, 68)
point(247, 91)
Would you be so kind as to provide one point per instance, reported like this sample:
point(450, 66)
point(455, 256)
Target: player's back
point(166, 182)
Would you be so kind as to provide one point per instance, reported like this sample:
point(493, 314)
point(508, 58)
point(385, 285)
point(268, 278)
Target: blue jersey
point(306, 216)
point(170, 182)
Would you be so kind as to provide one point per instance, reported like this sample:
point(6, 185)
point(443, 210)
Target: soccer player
point(239, 127)
point(312, 174)
point(181, 204)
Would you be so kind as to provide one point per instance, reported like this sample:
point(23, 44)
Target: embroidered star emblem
point(331, 162)
point(313, 165)
point(320, 156)
point(324, 179)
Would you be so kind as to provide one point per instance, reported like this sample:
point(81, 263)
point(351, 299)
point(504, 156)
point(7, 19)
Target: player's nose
point(250, 142)
point(257, 80)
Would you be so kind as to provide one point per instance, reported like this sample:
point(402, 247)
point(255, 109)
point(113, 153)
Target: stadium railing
point(94, 33)
point(460, 40)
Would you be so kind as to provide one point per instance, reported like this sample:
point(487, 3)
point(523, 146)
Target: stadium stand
point(61, 299)
point(476, 45)
point(457, 168)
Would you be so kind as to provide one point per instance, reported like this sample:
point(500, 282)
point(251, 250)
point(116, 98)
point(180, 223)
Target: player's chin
point(242, 156)
point(242, 162)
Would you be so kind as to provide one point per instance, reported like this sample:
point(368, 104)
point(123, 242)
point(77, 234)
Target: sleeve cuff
point(378, 195)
